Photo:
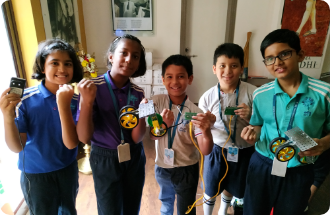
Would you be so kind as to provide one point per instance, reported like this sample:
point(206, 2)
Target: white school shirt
point(210, 101)
point(185, 152)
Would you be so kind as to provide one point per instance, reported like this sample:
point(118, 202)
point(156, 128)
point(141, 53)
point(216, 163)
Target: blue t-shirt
point(312, 115)
point(38, 117)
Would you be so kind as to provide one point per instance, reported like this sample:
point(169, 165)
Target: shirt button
point(55, 108)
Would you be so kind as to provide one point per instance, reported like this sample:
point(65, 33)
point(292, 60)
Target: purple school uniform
point(106, 125)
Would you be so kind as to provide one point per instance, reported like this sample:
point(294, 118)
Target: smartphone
point(17, 86)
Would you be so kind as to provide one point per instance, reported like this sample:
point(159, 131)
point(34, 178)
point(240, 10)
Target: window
point(9, 173)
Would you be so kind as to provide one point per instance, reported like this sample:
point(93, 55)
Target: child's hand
point(87, 90)
point(204, 121)
point(8, 103)
point(244, 112)
point(144, 101)
point(249, 135)
point(316, 150)
point(64, 95)
point(168, 117)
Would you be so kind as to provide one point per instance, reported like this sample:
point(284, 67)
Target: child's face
point(176, 80)
point(228, 70)
point(58, 68)
point(125, 60)
point(283, 69)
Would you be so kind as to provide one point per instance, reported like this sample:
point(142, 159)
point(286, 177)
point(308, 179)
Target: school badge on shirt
point(232, 154)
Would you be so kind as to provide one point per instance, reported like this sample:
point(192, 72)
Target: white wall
point(261, 17)
point(164, 42)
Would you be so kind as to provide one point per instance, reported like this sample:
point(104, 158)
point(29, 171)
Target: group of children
point(46, 124)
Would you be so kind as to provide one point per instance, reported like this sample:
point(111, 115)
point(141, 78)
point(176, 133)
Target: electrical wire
point(190, 207)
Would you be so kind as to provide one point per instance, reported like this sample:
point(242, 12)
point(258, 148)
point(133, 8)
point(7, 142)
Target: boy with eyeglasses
point(292, 100)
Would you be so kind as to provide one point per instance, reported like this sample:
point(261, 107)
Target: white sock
point(225, 202)
point(209, 205)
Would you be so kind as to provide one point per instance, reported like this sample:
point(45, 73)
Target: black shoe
point(238, 210)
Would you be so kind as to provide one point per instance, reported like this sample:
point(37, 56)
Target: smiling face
point(228, 71)
point(283, 69)
point(176, 81)
point(58, 70)
point(125, 59)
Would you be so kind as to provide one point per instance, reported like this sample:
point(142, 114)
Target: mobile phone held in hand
point(17, 86)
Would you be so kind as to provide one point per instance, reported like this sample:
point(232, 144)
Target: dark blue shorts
point(321, 168)
point(215, 168)
point(118, 186)
point(52, 193)
point(183, 182)
point(288, 195)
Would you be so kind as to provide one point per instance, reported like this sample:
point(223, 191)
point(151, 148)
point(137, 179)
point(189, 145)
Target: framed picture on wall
point(310, 20)
point(132, 15)
point(62, 20)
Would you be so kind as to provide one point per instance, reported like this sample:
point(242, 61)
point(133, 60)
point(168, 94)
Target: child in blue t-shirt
point(118, 185)
point(292, 100)
point(43, 131)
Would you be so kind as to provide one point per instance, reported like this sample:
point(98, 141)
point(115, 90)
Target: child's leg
point(41, 193)
point(167, 193)
point(134, 180)
point(236, 178)
point(108, 185)
point(67, 180)
point(214, 170)
point(225, 202)
point(294, 191)
point(261, 187)
point(185, 182)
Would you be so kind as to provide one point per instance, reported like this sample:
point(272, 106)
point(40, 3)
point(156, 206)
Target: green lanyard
point(171, 137)
point(114, 101)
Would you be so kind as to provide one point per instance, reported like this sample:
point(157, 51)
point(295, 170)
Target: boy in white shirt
point(230, 91)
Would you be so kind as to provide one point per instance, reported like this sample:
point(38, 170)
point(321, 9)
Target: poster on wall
point(61, 20)
point(132, 15)
point(310, 20)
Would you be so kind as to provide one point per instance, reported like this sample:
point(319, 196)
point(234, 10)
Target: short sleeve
point(256, 119)
point(202, 104)
point(74, 108)
point(21, 119)
point(326, 128)
point(198, 131)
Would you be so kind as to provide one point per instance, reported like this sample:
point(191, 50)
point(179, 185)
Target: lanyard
point(292, 115)
point(233, 137)
point(114, 101)
point(171, 137)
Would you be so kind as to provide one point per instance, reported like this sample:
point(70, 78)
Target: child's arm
point(139, 131)
point(323, 145)
point(85, 126)
point(251, 134)
point(244, 112)
point(69, 133)
point(168, 118)
point(8, 103)
point(204, 121)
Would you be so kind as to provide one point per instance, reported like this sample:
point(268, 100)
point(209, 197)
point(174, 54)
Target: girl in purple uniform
point(118, 185)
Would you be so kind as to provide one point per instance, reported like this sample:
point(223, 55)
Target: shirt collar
point(302, 87)
point(113, 86)
point(46, 93)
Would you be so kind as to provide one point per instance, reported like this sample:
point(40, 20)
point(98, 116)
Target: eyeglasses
point(282, 56)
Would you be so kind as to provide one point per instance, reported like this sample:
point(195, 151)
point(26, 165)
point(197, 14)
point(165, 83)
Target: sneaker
point(238, 208)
